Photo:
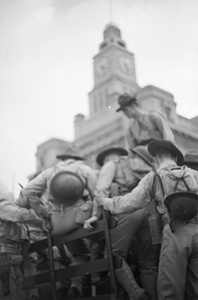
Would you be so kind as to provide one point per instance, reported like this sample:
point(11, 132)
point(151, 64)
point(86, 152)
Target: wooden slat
point(95, 266)
point(109, 263)
point(76, 234)
point(69, 272)
point(102, 297)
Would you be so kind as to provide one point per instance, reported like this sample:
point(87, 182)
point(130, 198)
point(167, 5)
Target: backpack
point(181, 203)
point(131, 178)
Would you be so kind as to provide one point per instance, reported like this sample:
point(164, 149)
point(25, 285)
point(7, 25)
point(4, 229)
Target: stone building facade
point(114, 73)
point(47, 152)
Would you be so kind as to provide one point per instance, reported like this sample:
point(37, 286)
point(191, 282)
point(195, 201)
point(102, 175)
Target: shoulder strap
point(177, 182)
point(156, 179)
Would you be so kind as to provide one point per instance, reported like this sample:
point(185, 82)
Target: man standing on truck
point(144, 126)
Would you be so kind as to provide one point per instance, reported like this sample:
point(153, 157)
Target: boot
point(127, 280)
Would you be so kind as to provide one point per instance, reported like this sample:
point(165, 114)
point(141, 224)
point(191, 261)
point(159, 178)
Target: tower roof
point(112, 35)
point(111, 30)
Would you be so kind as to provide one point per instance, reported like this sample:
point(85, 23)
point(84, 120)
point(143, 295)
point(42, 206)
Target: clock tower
point(114, 72)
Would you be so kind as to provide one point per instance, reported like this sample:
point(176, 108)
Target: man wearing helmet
point(52, 193)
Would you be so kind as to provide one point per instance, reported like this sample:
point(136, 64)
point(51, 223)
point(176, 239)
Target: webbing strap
point(177, 182)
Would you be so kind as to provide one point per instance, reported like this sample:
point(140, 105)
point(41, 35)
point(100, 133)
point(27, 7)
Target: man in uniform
point(119, 175)
point(144, 126)
point(178, 267)
point(13, 235)
point(40, 194)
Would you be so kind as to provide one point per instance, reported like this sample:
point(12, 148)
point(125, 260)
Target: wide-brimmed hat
point(101, 156)
point(125, 100)
point(142, 151)
point(191, 157)
point(155, 145)
point(71, 152)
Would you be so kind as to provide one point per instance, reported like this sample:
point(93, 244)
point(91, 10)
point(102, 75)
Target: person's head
point(164, 150)
point(72, 152)
point(128, 104)
point(111, 153)
point(191, 159)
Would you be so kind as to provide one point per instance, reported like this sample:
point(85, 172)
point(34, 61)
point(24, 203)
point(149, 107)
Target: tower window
point(100, 104)
point(168, 112)
point(103, 45)
point(95, 104)
point(121, 44)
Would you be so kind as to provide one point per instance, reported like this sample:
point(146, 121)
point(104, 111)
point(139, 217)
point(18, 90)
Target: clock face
point(125, 63)
point(102, 67)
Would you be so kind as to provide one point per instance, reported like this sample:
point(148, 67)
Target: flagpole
point(110, 11)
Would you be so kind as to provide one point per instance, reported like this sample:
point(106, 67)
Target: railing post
point(109, 253)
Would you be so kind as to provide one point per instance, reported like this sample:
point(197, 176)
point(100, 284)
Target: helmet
point(182, 205)
point(67, 187)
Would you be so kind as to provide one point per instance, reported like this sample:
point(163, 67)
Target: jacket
point(142, 195)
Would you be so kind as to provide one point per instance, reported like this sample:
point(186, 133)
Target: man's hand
point(88, 223)
point(36, 204)
point(47, 225)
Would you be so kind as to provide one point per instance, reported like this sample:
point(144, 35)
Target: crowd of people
point(150, 188)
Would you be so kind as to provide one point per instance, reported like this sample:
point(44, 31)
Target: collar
point(66, 162)
point(167, 164)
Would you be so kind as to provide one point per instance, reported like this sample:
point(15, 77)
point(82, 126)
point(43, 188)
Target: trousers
point(178, 267)
point(15, 279)
point(128, 226)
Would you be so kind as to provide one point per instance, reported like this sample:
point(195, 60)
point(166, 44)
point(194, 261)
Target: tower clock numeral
point(125, 64)
point(102, 67)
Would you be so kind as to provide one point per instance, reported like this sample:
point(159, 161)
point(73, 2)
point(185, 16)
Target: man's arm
point(36, 186)
point(164, 128)
point(105, 179)
point(130, 136)
point(91, 178)
point(107, 173)
point(31, 193)
point(137, 199)
point(9, 211)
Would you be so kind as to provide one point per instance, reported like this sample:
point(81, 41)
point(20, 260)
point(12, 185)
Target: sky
point(46, 65)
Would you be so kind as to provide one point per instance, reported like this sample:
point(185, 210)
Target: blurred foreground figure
point(13, 235)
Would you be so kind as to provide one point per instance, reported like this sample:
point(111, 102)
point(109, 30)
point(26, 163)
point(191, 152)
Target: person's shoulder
point(155, 114)
point(85, 167)
point(149, 177)
point(190, 170)
point(131, 122)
